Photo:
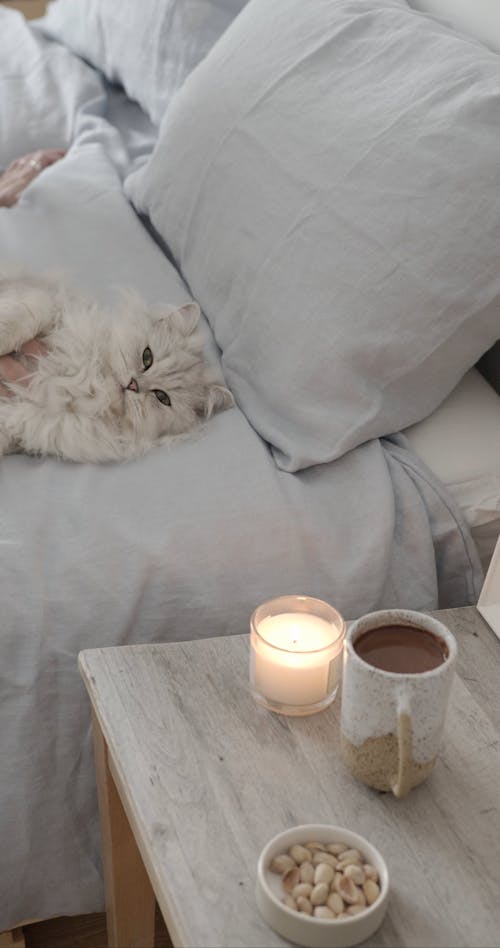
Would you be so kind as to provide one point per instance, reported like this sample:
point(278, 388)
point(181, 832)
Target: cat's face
point(166, 385)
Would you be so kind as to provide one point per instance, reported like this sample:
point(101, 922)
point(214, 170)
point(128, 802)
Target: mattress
point(460, 443)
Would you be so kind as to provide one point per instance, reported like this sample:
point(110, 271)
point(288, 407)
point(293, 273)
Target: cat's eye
point(162, 396)
point(147, 358)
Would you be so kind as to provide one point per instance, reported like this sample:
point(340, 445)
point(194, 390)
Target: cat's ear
point(218, 398)
point(186, 318)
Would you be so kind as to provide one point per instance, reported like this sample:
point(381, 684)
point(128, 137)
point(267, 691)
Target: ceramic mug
point(392, 722)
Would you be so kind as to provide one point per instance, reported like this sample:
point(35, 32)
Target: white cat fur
point(77, 405)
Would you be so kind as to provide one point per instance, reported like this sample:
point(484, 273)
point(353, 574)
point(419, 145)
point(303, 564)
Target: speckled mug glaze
point(392, 723)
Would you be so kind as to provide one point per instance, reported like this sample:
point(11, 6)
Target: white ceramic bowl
point(306, 929)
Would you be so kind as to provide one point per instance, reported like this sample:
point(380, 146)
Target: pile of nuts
point(327, 880)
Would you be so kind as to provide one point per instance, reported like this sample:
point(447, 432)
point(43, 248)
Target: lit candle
point(295, 654)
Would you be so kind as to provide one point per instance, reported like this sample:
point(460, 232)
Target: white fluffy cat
point(113, 382)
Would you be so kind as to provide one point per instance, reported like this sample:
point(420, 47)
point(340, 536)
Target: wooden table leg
point(130, 900)
point(14, 938)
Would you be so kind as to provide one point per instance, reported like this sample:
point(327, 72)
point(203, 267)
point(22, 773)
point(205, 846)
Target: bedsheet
point(181, 544)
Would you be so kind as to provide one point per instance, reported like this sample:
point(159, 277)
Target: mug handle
point(401, 783)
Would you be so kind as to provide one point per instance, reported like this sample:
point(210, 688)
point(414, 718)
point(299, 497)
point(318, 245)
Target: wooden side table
point(194, 778)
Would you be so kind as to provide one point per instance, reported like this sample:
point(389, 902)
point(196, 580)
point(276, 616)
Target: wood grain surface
point(207, 778)
point(82, 931)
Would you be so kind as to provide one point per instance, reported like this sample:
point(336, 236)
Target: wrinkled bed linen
point(51, 98)
point(179, 545)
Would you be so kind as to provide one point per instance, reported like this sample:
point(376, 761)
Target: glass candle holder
point(295, 654)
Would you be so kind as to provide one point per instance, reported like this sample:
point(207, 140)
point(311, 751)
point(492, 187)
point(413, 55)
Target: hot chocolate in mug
point(398, 672)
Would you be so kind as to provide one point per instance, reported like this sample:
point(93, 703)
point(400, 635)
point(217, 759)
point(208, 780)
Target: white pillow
point(478, 18)
point(460, 442)
point(148, 46)
point(327, 181)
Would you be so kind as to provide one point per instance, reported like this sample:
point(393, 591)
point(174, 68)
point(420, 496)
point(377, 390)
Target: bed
point(323, 478)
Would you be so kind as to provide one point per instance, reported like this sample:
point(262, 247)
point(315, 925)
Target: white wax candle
point(295, 658)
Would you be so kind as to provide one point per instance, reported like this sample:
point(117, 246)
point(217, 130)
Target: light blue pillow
point(327, 181)
point(148, 46)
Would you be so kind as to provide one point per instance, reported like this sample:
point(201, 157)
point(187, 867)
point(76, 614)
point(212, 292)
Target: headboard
point(30, 8)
